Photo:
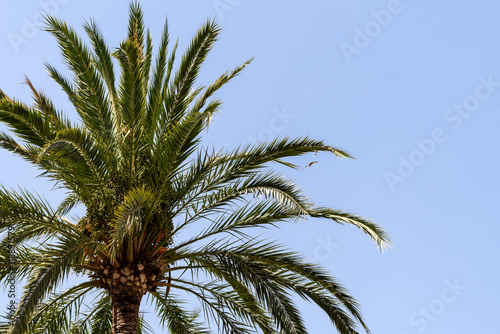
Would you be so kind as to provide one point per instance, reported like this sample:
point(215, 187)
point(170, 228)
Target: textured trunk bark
point(126, 312)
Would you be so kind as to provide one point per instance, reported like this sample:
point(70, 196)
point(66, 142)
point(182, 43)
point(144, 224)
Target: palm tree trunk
point(126, 312)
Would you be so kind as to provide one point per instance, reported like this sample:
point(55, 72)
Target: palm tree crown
point(135, 161)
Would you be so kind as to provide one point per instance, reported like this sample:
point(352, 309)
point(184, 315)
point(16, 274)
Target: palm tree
point(134, 160)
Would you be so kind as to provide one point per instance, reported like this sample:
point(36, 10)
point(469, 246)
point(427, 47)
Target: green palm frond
point(102, 318)
point(103, 62)
point(190, 65)
point(27, 123)
point(155, 89)
point(176, 319)
point(44, 278)
point(373, 230)
point(57, 314)
point(129, 219)
point(92, 103)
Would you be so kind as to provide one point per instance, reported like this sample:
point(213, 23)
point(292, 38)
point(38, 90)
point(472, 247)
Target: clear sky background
point(411, 88)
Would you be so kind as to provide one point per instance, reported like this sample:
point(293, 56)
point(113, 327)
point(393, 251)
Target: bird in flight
point(311, 163)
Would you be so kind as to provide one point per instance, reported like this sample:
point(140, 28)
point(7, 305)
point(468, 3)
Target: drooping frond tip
point(374, 231)
point(340, 153)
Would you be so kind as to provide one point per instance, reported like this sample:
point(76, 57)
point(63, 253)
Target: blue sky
point(411, 88)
